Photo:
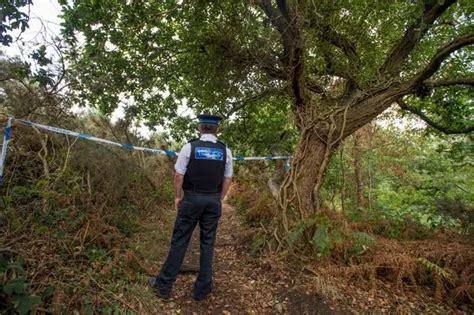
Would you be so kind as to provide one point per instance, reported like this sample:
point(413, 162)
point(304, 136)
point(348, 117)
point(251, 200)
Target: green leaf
point(48, 292)
point(363, 242)
point(434, 268)
point(322, 241)
point(24, 304)
point(16, 286)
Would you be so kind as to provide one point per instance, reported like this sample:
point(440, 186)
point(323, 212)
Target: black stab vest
point(206, 166)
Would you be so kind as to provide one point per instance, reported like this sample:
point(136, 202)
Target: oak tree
point(330, 66)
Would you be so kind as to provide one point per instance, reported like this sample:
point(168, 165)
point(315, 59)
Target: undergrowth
point(363, 246)
point(68, 209)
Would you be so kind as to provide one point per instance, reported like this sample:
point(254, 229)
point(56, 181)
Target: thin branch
point(236, 106)
point(54, 88)
point(441, 55)
point(399, 53)
point(247, 57)
point(447, 130)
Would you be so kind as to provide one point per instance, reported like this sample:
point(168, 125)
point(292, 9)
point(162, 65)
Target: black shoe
point(200, 297)
point(162, 295)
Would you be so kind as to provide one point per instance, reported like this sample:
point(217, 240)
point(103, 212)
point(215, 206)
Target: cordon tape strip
point(6, 140)
point(127, 146)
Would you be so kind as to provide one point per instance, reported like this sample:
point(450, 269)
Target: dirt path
point(241, 284)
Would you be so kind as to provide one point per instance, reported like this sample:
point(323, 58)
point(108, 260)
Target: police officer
point(202, 179)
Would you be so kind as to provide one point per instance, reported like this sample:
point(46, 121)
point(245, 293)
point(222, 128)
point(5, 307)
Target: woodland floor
point(248, 285)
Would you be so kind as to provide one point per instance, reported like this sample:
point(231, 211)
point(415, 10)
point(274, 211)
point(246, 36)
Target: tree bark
point(299, 194)
point(322, 128)
point(309, 182)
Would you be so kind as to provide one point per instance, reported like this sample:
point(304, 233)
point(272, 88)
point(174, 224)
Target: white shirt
point(185, 153)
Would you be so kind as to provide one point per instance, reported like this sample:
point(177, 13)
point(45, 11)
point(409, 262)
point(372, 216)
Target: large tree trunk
point(322, 128)
point(311, 167)
point(299, 195)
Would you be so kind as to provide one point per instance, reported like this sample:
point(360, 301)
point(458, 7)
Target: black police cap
point(209, 119)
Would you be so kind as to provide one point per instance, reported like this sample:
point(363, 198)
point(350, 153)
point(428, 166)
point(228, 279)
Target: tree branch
point(441, 55)
point(450, 81)
point(280, 23)
point(399, 53)
point(287, 21)
point(329, 35)
point(447, 130)
point(314, 86)
point(236, 106)
point(244, 57)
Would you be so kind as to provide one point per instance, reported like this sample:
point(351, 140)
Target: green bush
point(331, 237)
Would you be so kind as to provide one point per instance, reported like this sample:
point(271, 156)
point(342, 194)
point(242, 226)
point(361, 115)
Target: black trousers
point(195, 208)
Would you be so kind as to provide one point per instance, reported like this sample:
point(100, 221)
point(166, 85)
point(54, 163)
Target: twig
point(7, 249)
point(311, 270)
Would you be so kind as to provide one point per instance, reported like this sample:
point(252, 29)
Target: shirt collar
point(209, 137)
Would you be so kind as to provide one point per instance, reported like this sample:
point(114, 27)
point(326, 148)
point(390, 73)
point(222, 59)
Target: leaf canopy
point(157, 58)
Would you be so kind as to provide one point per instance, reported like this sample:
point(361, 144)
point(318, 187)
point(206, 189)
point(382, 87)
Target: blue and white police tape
point(130, 146)
point(95, 139)
point(6, 140)
point(257, 158)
